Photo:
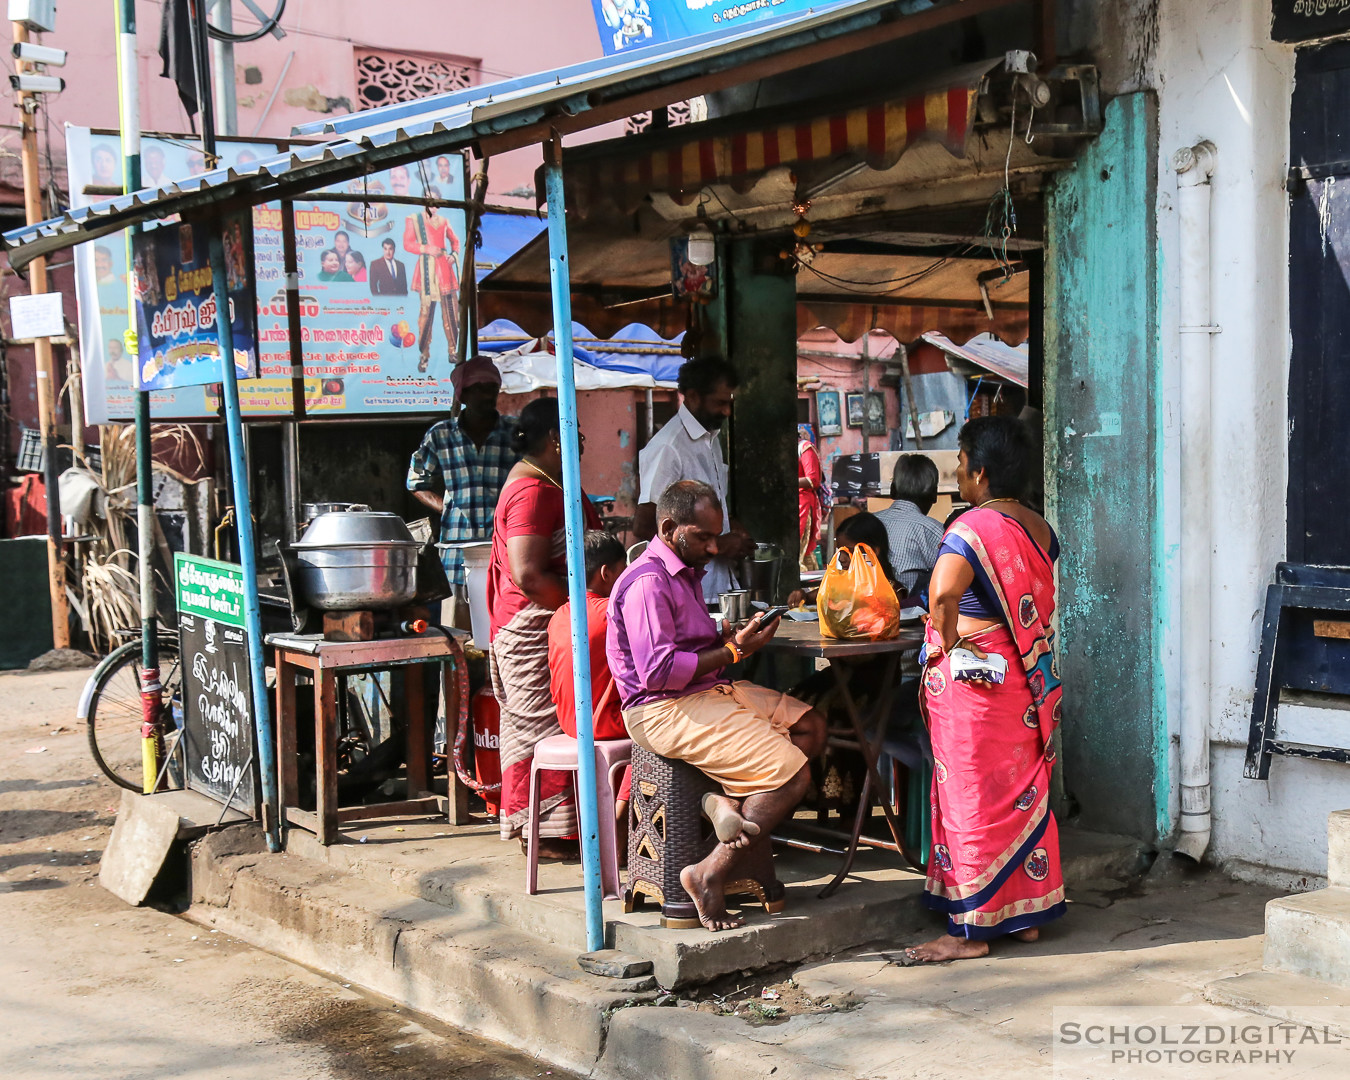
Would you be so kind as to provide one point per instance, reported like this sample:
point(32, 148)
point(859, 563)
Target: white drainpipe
point(1194, 165)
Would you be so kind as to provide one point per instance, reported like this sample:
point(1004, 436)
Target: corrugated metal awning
point(497, 116)
point(982, 355)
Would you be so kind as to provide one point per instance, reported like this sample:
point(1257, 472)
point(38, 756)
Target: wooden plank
point(325, 754)
point(427, 806)
point(1331, 628)
point(303, 819)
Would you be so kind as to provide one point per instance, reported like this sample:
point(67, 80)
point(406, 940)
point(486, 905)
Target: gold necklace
point(990, 502)
point(536, 468)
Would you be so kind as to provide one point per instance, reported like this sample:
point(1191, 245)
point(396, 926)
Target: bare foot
point(725, 815)
point(948, 948)
point(710, 903)
point(1031, 933)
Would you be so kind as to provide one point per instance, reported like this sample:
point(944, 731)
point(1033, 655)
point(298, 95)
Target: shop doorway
point(1319, 308)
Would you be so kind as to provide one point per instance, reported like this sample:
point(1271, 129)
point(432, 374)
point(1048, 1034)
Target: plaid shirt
point(915, 539)
point(472, 480)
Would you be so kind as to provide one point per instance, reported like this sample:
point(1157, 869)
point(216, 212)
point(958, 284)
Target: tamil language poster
point(379, 289)
point(177, 305)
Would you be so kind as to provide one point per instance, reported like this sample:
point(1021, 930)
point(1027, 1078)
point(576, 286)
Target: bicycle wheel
point(114, 717)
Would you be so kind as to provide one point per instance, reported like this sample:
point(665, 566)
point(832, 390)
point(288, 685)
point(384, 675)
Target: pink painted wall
point(507, 37)
point(843, 371)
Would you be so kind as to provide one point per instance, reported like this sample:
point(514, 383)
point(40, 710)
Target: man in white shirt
point(688, 448)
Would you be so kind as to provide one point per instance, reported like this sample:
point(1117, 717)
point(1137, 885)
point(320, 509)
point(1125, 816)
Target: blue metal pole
point(234, 432)
point(560, 281)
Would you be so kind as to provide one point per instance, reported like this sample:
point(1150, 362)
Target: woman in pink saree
point(994, 870)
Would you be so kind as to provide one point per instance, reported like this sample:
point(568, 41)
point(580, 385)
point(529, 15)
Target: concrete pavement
point(91, 989)
point(102, 990)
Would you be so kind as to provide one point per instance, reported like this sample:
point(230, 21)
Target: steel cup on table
point(806, 639)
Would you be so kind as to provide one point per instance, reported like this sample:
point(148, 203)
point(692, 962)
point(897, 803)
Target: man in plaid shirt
point(460, 467)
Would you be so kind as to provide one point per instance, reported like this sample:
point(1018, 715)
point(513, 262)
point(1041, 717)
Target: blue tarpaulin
point(636, 349)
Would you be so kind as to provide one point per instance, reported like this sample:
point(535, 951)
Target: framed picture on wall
point(827, 412)
point(855, 410)
point(876, 413)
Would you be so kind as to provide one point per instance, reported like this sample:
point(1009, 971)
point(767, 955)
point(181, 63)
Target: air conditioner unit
point(38, 15)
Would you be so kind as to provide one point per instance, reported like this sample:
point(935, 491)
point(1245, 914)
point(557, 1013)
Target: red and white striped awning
point(627, 170)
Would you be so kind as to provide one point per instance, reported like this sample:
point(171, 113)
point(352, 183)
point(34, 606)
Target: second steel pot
point(356, 559)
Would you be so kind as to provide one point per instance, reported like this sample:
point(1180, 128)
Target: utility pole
point(222, 70)
point(42, 349)
point(152, 691)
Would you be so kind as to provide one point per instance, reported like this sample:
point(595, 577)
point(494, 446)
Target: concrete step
point(481, 877)
point(471, 871)
point(1309, 934)
point(1282, 996)
point(1338, 848)
point(449, 964)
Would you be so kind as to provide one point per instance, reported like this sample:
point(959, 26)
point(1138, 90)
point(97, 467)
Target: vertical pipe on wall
point(560, 282)
point(1194, 165)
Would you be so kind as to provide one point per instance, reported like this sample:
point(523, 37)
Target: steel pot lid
point(356, 528)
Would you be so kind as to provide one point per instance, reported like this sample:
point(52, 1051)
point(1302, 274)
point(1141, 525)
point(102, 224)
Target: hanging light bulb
point(702, 247)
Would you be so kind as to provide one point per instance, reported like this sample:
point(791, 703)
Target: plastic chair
point(558, 753)
point(637, 549)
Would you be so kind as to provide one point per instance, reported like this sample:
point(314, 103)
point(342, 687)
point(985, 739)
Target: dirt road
point(91, 989)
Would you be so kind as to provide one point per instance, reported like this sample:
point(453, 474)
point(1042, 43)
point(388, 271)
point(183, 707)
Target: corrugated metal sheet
point(395, 134)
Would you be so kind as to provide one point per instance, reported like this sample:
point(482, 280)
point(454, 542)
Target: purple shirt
point(658, 624)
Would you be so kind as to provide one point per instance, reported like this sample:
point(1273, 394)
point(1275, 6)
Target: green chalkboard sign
point(1308, 20)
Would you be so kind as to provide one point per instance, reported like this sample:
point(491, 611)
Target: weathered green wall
point(755, 323)
point(1103, 476)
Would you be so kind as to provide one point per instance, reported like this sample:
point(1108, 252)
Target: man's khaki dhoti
point(736, 733)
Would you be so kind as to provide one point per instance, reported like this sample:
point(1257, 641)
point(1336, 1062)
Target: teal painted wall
point(1104, 470)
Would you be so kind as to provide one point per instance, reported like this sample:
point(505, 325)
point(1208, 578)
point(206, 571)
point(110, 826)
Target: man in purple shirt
point(667, 658)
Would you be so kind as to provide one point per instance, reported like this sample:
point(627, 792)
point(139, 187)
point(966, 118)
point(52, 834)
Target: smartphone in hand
point(765, 617)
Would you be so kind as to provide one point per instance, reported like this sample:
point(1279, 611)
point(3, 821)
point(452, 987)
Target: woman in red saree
point(809, 511)
point(527, 582)
point(994, 870)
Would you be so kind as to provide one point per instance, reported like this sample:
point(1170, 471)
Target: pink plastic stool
point(558, 753)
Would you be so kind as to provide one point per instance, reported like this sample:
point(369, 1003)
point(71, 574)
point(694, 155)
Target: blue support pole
point(587, 793)
point(234, 433)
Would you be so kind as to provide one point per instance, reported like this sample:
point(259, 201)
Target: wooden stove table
point(329, 661)
point(805, 639)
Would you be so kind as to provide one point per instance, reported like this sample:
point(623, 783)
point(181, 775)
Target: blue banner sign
point(176, 304)
point(631, 24)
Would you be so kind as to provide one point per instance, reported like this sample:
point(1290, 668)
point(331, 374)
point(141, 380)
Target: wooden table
point(805, 639)
point(327, 663)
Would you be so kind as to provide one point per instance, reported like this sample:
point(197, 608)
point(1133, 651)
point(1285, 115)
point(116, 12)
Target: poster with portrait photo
point(379, 288)
point(828, 413)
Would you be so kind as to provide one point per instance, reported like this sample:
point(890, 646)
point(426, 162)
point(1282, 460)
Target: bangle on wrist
point(736, 654)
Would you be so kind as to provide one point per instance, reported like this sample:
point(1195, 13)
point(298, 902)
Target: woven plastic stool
point(558, 753)
point(667, 832)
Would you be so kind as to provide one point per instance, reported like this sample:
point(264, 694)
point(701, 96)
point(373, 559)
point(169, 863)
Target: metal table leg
point(871, 750)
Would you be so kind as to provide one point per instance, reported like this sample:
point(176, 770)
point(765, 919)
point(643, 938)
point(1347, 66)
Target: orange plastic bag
point(855, 599)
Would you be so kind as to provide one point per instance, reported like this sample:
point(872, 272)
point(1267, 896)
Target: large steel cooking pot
point(356, 559)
